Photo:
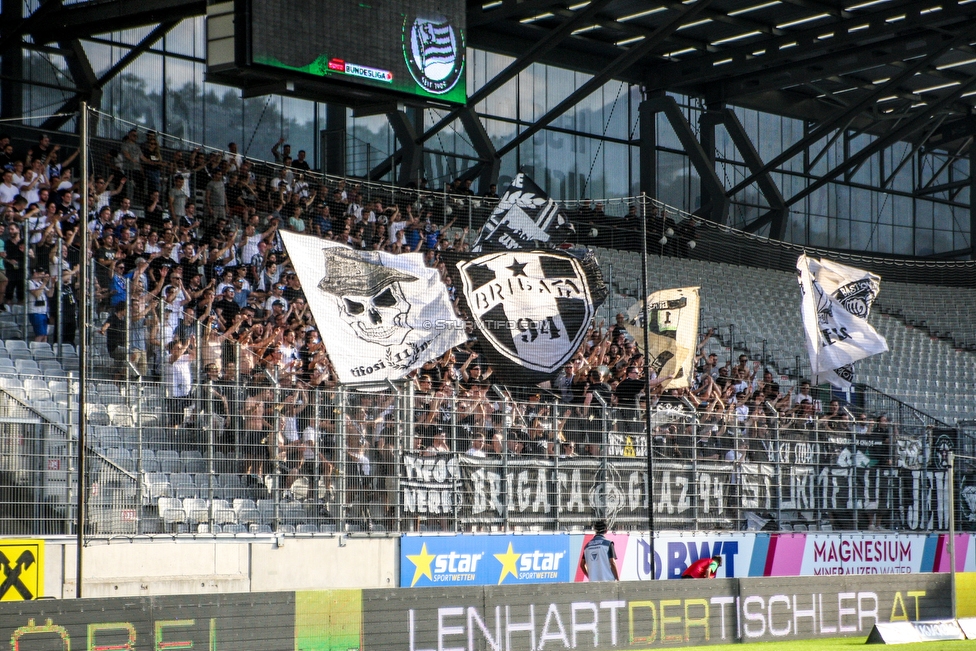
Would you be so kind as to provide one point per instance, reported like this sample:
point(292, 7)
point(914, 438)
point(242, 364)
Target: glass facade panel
point(585, 151)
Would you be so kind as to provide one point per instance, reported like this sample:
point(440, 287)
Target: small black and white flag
point(671, 337)
point(836, 301)
point(533, 308)
point(380, 315)
point(525, 218)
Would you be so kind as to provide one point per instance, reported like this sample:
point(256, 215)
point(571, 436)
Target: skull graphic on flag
point(533, 307)
point(380, 315)
point(369, 296)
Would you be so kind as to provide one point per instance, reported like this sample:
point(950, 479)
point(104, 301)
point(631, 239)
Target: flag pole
point(86, 300)
point(647, 385)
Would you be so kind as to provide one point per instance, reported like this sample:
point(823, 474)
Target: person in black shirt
point(114, 331)
point(226, 307)
point(628, 389)
point(300, 163)
point(293, 288)
point(66, 306)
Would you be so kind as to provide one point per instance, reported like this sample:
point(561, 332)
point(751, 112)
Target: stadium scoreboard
point(347, 51)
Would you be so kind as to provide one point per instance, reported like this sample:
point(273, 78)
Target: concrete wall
point(186, 565)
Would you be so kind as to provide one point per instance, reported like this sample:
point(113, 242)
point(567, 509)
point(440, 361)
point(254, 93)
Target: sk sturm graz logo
point(434, 52)
point(857, 297)
point(369, 296)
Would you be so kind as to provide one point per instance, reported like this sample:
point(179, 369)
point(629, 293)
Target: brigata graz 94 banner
point(687, 495)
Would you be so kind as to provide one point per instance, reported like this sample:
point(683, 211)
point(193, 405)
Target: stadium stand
point(213, 459)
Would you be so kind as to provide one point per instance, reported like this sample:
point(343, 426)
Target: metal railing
point(259, 456)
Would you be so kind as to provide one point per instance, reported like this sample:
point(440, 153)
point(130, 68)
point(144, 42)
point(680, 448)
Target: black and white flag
point(380, 315)
point(671, 335)
point(836, 301)
point(525, 218)
point(531, 309)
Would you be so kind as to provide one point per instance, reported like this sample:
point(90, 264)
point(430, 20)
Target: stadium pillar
point(333, 139)
point(648, 148)
point(706, 136)
point(403, 124)
point(12, 64)
point(482, 144)
point(972, 201)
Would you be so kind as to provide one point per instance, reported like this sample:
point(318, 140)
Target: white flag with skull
point(381, 315)
point(836, 301)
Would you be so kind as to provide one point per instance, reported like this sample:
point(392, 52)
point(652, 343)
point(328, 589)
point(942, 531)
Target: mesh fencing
point(258, 457)
point(194, 428)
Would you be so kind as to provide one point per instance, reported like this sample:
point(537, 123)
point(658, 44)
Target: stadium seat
point(306, 528)
point(223, 513)
point(193, 462)
point(97, 414)
point(266, 510)
point(247, 511)
point(148, 460)
point(234, 528)
point(230, 486)
point(171, 511)
point(158, 486)
point(27, 367)
point(120, 415)
point(169, 461)
point(259, 528)
point(197, 510)
point(49, 366)
point(183, 485)
point(291, 512)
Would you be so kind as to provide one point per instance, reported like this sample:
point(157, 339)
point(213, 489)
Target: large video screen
point(405, 46)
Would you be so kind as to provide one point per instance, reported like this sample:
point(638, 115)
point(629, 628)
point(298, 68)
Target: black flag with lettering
point(525, 218)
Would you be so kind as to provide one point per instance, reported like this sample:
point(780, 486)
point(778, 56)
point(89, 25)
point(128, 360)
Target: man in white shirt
point(599, 559)
point(8, 191)
point(125, 210)
point(233, 158)
point(477, 449)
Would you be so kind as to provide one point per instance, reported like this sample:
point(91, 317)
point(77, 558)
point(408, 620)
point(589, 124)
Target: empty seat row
point(194, 510)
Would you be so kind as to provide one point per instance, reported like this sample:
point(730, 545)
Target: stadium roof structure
point(900, 70)
point(876, 62)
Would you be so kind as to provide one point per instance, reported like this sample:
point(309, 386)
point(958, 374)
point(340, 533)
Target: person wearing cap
point(276, 296)
point(598, 561)
point(703, 568)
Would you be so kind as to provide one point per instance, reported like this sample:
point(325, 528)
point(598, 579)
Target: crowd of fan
point(190, 267)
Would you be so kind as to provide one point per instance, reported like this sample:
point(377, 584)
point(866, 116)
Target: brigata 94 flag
point(381, 315)
point(836, 301)
point(671, 334)
point(531, 310)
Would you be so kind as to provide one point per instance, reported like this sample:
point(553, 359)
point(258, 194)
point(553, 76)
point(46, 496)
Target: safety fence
point(257, 454)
